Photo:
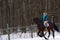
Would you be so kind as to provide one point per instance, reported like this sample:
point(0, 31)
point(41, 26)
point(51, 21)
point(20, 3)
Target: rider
point(44, 19)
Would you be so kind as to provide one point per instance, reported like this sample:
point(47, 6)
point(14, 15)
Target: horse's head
point(36, 20)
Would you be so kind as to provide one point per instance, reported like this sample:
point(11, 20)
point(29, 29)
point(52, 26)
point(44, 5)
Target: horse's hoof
point(40, 35)
point(53, 37)
point(46, 39)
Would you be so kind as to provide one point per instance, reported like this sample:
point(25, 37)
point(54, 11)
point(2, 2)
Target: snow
point(27, 36)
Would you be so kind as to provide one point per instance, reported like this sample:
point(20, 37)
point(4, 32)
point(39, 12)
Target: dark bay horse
point(42, 28)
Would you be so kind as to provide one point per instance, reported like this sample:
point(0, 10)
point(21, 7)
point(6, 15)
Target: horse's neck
point(40, 21)
point(39, 25)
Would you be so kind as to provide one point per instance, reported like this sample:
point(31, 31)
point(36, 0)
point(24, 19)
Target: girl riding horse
point(41, 27)
point(44, 19)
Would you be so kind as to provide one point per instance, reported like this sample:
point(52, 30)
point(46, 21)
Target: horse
point(42, 28)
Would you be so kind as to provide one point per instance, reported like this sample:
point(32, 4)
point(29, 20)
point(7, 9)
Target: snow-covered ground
point(27, 36)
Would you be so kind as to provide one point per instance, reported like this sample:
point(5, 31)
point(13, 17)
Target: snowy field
point(27, 36)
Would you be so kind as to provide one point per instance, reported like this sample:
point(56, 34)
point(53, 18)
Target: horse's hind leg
point(53, 32)
point(49, 33)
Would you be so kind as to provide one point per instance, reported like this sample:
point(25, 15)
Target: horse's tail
point(56, 28)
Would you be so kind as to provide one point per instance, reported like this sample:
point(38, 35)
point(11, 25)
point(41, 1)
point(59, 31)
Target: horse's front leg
point(44, 35)
point(48, 31)
point(40, 33)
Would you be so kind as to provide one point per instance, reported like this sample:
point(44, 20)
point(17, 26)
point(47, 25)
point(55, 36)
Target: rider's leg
point(46, 25)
